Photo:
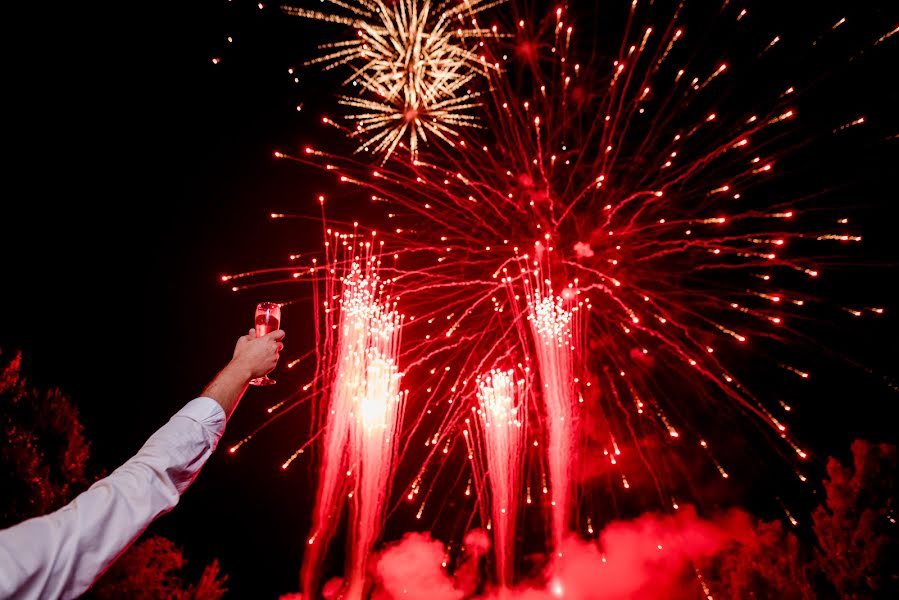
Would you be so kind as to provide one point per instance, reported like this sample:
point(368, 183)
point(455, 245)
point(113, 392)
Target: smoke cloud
point(649, 557)
point(411, 569)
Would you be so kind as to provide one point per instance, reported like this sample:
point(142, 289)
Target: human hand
point(258, 356)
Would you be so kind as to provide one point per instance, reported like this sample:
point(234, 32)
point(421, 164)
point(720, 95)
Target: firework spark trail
point(415, 61)
point(554, 326)
point(500, 416)
point(364, 414)
point(374, 446)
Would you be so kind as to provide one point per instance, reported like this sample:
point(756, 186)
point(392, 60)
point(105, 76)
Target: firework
point(554, 327)
point(414, 61)
point(656, 196)
point(500, 416)
point(363, 417)
point(638, 184)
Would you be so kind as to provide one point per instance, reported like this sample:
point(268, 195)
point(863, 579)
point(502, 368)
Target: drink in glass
point(267, 319)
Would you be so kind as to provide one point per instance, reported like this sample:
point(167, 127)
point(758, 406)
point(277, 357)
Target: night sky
point(140, 172)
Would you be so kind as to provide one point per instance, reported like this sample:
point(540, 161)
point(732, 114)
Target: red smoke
point(648, 558)
point(412, 569)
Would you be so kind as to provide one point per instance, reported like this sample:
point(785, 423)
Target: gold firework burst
point(414, 60)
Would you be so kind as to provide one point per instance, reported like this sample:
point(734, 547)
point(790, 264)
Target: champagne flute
point(268, 319)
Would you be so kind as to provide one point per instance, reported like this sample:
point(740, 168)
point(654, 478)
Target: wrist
point(229, 385)
point(239, 370)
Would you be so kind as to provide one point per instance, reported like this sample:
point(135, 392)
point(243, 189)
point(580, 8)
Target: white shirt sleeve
point(61, 554)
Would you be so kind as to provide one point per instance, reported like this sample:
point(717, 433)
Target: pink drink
point(266, 323)
point(267, 320)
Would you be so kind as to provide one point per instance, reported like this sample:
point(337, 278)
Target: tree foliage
point(45, 455)
point(152, 569)
point(769, 564)
point(856, 526)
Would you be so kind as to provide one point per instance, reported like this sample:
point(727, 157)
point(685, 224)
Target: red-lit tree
point(769, 564)
point(151, 569)
point(45, 454)
point(856, 526)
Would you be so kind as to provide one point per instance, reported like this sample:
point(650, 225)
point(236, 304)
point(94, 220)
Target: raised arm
point(61, 554)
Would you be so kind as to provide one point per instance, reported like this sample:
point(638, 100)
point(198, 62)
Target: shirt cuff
point(207, 412)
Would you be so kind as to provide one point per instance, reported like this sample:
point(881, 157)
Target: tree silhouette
point(45, 455)
point(769, 564)
point(856, 526)
point(151, 569)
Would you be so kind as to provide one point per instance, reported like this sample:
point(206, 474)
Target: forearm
point(228, 387)
point(60, 555)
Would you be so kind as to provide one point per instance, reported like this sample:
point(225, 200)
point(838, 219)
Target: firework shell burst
point(614, 231)
point(414, 62)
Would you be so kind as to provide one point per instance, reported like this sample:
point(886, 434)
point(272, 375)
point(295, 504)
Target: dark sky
point(138, 172)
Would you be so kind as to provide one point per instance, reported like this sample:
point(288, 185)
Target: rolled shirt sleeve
point(59, 555)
